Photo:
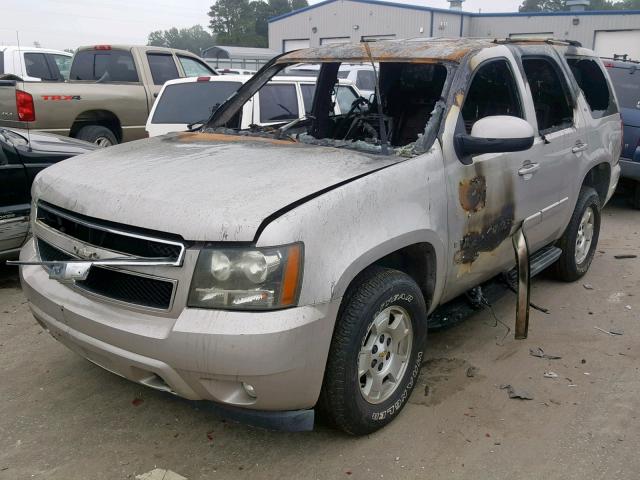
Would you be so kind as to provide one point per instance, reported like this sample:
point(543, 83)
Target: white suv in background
point(35, 64)
point(187, 101)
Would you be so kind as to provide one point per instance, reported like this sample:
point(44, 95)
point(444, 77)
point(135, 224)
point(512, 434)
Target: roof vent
point(455, 4)
point(578, 5)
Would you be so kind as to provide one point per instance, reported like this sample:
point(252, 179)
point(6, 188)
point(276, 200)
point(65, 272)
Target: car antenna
point(383, 128)
point(24, 73)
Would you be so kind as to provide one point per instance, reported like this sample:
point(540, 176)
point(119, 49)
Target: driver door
point(488, 199)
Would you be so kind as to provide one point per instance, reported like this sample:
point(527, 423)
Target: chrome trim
point(106, 299)
point(176, 263)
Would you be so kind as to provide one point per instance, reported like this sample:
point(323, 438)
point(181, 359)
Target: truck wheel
point(579, 241)
point(376, 351)
point(97, 134)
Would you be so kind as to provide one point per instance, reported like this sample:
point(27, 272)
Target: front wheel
point(579, 241)
point(376, 351)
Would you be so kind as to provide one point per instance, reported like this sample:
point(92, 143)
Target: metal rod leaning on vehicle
point(521, 248)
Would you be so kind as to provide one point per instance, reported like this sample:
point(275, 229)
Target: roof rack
point(550, 41)
point(621, 58)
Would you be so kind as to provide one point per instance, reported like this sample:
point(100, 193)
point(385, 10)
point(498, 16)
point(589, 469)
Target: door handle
point(580, 147)
point(528, 169)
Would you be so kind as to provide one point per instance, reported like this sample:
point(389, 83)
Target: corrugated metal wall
point(354, 20)
point(561, 26)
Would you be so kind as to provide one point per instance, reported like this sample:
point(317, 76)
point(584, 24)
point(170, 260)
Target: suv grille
point(117, 285)
point(110, 236)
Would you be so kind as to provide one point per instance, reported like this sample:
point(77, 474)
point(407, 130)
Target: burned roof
point(422, 50)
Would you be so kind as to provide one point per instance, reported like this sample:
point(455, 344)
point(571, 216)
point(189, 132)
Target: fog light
point(250, 390)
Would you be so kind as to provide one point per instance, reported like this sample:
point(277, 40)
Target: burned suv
point(279, 269)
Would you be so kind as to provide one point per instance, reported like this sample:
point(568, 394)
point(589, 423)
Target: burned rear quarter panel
point(349, 228)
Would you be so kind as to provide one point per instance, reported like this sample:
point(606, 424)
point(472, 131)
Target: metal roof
point(223, 51)
point(416, 50)
point(458, 12)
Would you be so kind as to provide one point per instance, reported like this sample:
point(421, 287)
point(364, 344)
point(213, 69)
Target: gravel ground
point(61, 417)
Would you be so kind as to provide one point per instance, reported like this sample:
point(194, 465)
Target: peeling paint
point(473, 193)
point(430, 50)
point(488, 238)
point(227, 138)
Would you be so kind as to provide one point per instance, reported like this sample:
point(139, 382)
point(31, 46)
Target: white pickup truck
point(33, 64)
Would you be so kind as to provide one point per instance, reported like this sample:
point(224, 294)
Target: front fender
point(349, 228)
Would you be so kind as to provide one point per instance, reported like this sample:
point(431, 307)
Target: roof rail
point(621, 58)
point(550, 41)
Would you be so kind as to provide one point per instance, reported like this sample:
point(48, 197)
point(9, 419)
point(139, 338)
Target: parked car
point(35, 64)
point(187, 101)
point(361, 75)
point(22, 155)
point(625, 76)
point(273, 271)
point(108, 97)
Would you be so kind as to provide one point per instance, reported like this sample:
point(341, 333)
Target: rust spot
point(459, 98)
point(487, 238)
point(220, 137)
point(473, 193)
point(415, 51)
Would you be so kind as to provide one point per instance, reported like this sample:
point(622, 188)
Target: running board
point(538, 262)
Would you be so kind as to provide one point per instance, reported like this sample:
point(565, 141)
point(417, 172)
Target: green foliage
point(245, 23)
point(194, 39)
point(560, 5)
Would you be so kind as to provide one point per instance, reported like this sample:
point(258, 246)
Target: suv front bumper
point(201, 354)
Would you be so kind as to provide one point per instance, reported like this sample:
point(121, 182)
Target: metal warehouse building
point(337, 21)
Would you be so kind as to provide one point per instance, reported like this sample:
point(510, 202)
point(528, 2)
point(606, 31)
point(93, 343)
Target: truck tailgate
point(8, 108)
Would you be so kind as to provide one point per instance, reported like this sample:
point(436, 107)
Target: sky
point(64, 24)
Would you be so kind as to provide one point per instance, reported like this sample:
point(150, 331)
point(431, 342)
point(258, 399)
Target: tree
point(245, 22)
point(542, 6)
point(194, 39)
point(560, 5)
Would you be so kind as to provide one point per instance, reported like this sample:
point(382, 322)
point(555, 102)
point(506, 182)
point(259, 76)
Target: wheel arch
point(105, 118)
point(599, 178)
point(418, 254)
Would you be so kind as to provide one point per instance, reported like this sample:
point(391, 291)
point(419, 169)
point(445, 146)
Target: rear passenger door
point(560, 143)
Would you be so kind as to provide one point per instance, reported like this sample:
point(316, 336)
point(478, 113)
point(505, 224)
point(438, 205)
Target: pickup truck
point(282, 268)
point(107, 99)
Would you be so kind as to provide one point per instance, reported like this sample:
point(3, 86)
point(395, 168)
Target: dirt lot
point(63, 418)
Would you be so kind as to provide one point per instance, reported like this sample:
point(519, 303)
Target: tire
point(386, 297)
point(576, 259)
point(635, 196)
point(97, 134)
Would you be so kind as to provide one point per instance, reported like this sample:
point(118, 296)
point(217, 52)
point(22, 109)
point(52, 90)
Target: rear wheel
point(579, 241)
point(101, 136)
point(376, 351)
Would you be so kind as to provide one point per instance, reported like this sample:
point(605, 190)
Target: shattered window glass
point(549, 93)
point(493, 91)
point(594, 85)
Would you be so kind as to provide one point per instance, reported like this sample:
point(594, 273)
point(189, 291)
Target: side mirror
point(496, 134)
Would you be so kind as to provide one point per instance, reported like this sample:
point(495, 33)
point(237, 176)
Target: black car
point(22, 155)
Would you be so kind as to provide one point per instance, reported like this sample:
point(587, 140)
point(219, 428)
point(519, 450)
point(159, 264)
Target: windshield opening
point(324, 105)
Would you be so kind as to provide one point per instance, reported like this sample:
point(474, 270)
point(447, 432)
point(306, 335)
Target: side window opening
point(36, 66)
point(163, 67)
point(193, 67)
point(594, 86)
point(365, 80)
point(550, 97)
point(278, 102)
point(493, 91)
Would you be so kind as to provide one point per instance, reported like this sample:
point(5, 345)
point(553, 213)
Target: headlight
point(247, 278)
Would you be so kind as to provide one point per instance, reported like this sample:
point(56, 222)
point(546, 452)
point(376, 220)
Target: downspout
point(431, 27)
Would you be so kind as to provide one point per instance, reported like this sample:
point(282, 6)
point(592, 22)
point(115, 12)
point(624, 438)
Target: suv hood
point(201, 186)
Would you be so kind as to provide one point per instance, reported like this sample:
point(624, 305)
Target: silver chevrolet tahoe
point(275, 270)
